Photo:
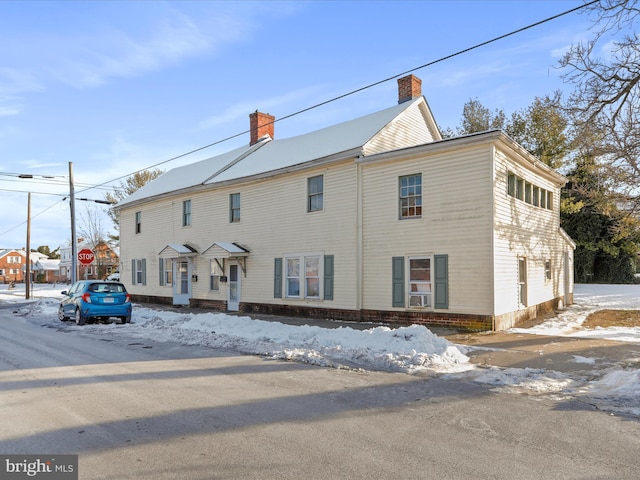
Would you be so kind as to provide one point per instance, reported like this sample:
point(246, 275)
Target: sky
point(98, 90)
point(414, 350)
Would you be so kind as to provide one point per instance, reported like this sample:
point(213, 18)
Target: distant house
point(12, 265)
point(374, 219)
point(47, 270)
point(106, 261)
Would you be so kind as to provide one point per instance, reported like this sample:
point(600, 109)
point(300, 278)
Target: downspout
point(359, 238)
point(493, 237)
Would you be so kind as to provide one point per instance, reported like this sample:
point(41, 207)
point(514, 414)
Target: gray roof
point(12, 250)
point(273, 155)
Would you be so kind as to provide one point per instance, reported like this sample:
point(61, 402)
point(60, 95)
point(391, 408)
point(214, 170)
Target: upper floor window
point(315, 193)
point(12, 259)
point(411, 196)
point(234, 207)
point(138, 222)
point(186, 213)
point(528, 192)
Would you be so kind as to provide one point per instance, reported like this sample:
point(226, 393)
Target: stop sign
point(85, 256)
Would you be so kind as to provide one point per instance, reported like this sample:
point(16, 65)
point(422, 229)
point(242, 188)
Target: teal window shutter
point(133, 272)
point(442, 281)
point(328, 277)
point(161, 270)
point(398, 281)
point(144, 271)
point(277, 278)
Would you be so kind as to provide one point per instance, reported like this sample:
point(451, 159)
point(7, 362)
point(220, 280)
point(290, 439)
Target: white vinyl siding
point(526, 231)
point(455, 221)
point(298, 232)
point(474, 218)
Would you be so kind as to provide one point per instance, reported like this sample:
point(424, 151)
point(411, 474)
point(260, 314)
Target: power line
point(339, 97)
point(31, 191)
point(32, 217)
point(366, 87)
point(43, 180)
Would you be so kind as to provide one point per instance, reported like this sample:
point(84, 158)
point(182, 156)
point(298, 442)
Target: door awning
point(175, 250)
point(225, 250)
point(220, 251)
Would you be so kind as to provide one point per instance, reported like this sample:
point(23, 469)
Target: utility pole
point(74, 245)
point(27, 276)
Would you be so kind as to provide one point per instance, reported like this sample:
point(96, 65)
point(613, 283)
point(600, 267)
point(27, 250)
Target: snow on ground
point(588, 299)
point(408, 349)
point(412, 349)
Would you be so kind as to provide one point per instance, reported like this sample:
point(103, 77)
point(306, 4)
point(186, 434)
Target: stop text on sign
point(85, 256)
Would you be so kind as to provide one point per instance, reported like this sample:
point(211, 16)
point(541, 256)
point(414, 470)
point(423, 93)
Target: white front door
point(233, 303)
point(182, 282)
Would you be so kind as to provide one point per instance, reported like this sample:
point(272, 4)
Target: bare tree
point(605, 72)
point(126, 188)
point(90, 226)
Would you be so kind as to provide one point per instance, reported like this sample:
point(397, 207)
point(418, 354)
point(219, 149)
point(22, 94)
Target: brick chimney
point(409, 87)
point(261, 124)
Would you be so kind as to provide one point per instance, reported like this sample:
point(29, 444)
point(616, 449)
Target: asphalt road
point(136, 409)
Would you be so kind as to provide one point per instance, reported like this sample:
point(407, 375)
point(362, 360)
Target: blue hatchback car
point(91, 300)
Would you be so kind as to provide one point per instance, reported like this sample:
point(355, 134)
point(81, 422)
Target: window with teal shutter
point(277, 278)
point(398, 282)
point(328, 277)
point(441, 263)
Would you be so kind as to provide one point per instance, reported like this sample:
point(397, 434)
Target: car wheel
point(61, 316)
point(126, 319)
point(80, 318)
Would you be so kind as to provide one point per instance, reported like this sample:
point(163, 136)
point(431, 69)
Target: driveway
point(562, 354)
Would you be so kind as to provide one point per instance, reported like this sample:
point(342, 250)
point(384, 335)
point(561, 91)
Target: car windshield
point(106, 288)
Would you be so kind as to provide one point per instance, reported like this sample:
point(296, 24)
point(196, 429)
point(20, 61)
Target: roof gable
point(414, 126)
point(10, 251)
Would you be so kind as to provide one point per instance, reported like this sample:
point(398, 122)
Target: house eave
point(468, 141)
point(318, 162)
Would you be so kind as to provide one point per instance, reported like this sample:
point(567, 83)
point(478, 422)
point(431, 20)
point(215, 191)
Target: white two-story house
point(378, 218)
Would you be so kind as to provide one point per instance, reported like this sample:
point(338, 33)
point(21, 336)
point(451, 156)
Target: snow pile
point(407, 349)
point(618, 389)
point(413, 349)
point(526, 379)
